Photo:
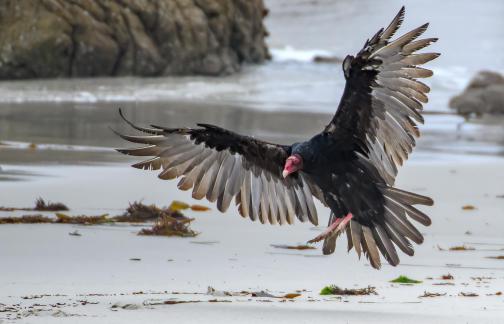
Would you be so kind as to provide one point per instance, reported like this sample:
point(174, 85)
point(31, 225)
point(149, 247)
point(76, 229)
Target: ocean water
point(288, 98)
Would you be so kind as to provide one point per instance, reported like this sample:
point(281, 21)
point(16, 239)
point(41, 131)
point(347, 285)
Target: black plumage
point(350, 166)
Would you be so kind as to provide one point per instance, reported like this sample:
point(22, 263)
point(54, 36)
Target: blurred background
point(274, 71)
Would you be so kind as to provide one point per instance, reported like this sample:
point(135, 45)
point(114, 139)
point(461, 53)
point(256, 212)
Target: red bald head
point(292, 164)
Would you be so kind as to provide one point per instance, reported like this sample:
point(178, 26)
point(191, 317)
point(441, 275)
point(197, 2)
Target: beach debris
point(447, 277)
point(138, 212)
point(499, 293)
point(175, 302)
point(335, 290)
point(168, 222)
point(199, 208)
point(170, 226)
point(468, 233)
point(40, 205)
point(261, 294)
point(26, 219)
point(135, 259)
point(179, 205)
point(427, 294)
point(218, 293)
point(126, 306)
point(440, 248)
point(443, 284)
point(461, 248)
point(468, 207)
point(498, 257)
point(205, 242)
point(469, 294)
point(294, 247)
point(82, 219)
point(481, 278)
point(405, 280)
point(75, 233)
point(499, 196)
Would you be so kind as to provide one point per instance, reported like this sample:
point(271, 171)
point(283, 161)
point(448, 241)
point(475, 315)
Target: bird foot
point(336, 227)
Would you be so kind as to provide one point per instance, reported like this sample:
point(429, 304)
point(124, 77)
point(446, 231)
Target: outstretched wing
point(377, 117)
point(382, 101)
point(221, 165)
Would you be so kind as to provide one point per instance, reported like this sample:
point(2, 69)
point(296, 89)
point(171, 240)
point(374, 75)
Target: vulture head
point(292, 164)
point(301, 157)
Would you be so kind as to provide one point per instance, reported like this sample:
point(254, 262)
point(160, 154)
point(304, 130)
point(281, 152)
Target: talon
point(336, 227)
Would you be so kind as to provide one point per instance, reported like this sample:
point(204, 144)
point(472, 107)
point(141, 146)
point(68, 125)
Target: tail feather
point(369, 247)
point(385, 245)
point(383, 236)
point(329, 245)
point(407, 197)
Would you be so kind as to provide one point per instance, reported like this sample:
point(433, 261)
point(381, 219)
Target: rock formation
point(82, 38)
point(483, 95)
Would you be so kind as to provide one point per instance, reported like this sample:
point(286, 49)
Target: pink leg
point(337, 226)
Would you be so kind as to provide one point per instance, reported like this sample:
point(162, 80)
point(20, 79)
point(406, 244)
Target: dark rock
point(81, 38)
point(483, 95)
point(327, 59)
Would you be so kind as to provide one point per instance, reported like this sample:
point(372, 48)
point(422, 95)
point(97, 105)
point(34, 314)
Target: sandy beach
point(50, 276)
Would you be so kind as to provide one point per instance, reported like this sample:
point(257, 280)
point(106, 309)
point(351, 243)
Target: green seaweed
point(335, 290)
point(405, 280)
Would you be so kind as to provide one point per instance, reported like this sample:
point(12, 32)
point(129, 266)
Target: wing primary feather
point(394, 25)
point(142, 129)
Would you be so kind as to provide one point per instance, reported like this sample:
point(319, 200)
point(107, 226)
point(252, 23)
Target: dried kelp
point(168, 221)
point(82, 219)
point(170, 226)
point(138, 212)
point(26, 219)
point(40, 205)
point(294, 247)
point(461, 248)
point(430, 294)
point(469, 294)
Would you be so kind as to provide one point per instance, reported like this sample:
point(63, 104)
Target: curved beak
point(292, 164)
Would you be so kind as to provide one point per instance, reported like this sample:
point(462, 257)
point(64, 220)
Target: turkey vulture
point(350, 166)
